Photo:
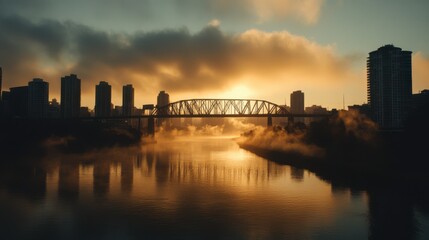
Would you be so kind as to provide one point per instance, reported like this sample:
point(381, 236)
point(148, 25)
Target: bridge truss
point(220, 107)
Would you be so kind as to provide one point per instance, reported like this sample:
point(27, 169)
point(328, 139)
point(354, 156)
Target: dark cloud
point(173, 59)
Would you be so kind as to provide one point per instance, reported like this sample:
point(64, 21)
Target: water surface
point(192, 188)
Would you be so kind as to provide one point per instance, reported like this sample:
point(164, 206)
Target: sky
point(258, 49)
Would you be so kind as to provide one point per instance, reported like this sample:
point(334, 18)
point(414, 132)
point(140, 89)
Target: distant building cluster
point(389, 92)
point(32, 101)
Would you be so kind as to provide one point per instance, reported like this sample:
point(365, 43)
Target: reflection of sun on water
point(235, 156)
point(208, 173)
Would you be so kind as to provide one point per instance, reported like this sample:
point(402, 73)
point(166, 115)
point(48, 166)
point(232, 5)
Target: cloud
point(305, 11)
point(170, 59)
point(420, 72)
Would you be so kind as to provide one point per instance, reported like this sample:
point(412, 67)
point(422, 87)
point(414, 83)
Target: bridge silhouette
point(215, 108)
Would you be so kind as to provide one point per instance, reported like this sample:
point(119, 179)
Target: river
point(192, 188)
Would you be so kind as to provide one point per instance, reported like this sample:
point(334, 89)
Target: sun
point(237, 92)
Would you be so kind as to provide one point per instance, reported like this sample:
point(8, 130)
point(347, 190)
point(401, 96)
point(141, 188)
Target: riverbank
point(374, 166)
point(35, 137)
point(348, 148)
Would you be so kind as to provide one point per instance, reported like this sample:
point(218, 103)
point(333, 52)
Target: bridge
point(216, 108)
point(219, 108)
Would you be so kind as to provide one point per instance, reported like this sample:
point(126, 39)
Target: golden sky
point(212, 48)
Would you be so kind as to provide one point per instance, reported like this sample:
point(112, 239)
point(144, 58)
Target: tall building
point(163, 99)
point(38, 98)
point(70, 96)
point(127, 100)
point(103, 99)
point(297, 104)
point(389, 85)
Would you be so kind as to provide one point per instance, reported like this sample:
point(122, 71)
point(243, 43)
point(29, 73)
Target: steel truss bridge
point(216, 108)
point(212, 108)
point(219, 108)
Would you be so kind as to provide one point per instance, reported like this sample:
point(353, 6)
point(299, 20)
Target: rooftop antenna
point(344, 104)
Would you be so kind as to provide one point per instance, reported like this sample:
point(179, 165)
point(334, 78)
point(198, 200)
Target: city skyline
point(271, 50)
point(214, 119)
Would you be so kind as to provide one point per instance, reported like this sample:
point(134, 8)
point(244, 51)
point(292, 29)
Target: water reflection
point(194, 188)
point(68, 181)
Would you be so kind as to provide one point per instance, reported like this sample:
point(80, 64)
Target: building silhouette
point(421, 99)
point(70, 96)
point(127, 100)
point(297, 104)
point(54, 109)
point(389, 85)
point(38, 98)
point(1, 82)
point(116, 111)
point(163, 99)
point(84, 112)
point(103, 99)
point(315, 109)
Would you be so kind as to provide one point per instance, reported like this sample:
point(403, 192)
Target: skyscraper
point(103, 99)
point(38, 98)
point(127, 100)
point(297, 104)
point(163, 99)
point(70, 96)
point(389, 85)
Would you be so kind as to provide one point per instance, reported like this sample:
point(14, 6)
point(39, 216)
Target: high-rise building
point(103, 99)
point(163, 99)
point(127, 100)
point(38, 98)
point(70, 96)
point(297, 104)
point(389, 85)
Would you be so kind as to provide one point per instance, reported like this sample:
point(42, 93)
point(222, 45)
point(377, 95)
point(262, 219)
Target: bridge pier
point(290, 120)
point(270, 121)
point(151, 126)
